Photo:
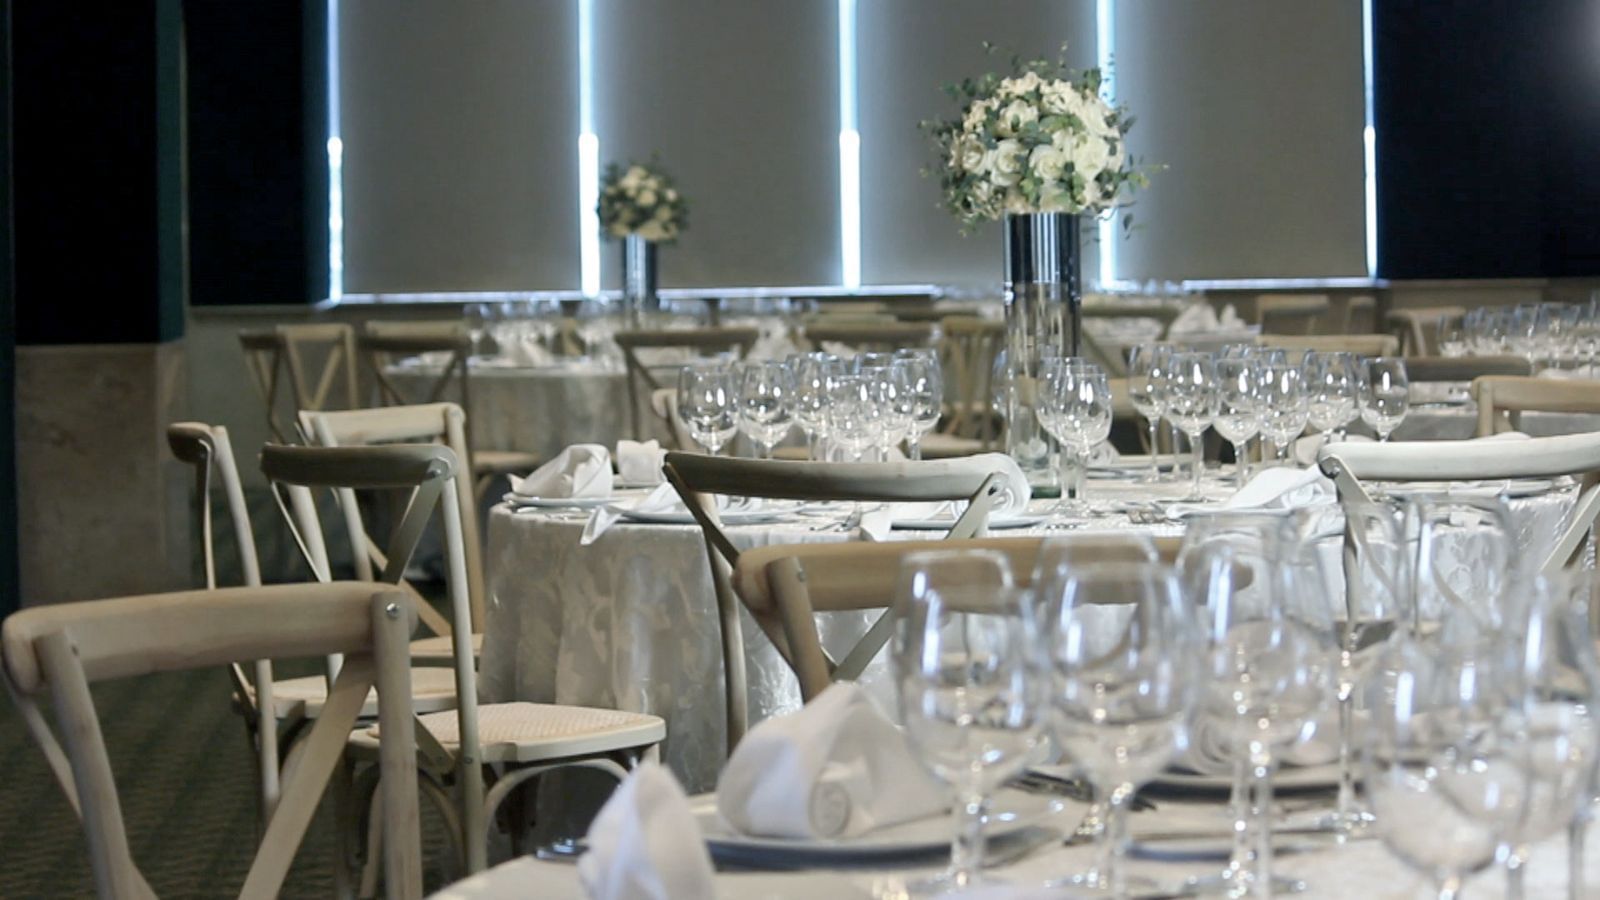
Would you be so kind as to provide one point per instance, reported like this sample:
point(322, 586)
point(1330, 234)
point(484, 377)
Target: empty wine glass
point(766, 404)
point(1385, 395)
point(1285, 408)
point(812, 374)
point(1238, 408)
point(1147, 381)
point(1331, 390)
point(852, 415)
point(925, 380)
point(891, 390)
point(971, 696)
point(1461, 568)
point(1191, 390)
point(1076, 407)
point(1124, 654)
point(1451, 336)
point(480, 316)
point(707, 404)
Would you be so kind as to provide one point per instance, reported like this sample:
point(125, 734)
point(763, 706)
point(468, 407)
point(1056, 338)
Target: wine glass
point(707, 404)
point(1331, 389)
point(891, 390)
point(1238, 408)
point(852, 415)
point(1285, 408)
point(480, 316)
point(1076, 408)
point(1124, 652)
point(971, 697)
point(1385, 395)
point(766, 404)
point(1147, 379)
point(812, 373)
point(1191, 389)
point(1461, 568)
point(1452, 336)
point(925, 380)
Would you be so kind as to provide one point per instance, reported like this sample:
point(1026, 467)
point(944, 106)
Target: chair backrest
point(1502, 399)
point(1290, 313)
point(970, 347)
point(382, 344)
point(60, 650)
point(642, 383)
point(1416, 327)
point(434, 423)
point(206, 447)
point(1464, 368)
point(1360, 314)
point(1350, 463)
point(664, 404)
point(1359, 344)
point(981, 479)
point(867, 336)
point(785, 586)
point(431, 473)
point(317, 358)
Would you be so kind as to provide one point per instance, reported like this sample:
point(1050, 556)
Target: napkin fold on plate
point(837, 768)
point(1013, 501)
point(645, 844)
point(1195, 318)
point(1276, 488)
point(581, 470)
point(640, 463)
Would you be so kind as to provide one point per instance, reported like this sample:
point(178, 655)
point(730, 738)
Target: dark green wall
point(9, 599)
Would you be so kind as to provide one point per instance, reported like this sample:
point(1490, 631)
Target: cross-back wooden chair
point(642, 383)
point(454, 748)
point(868, 336)
point(1464, 368)
point(431, 423)
point(970, 347)
point(297, 351)
point(982, 480)
point(382, 344)
point(1502, 399)
point(1416, 328)
point(1359, 344)
point(1290, 313)
point(1360, 314)
point(785, 586)
point(61, 650)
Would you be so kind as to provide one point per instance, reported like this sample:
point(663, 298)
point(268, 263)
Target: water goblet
point(1238, 408)
point(1285, 407)
point(708, 404)
point(1451, 336)
point(1331, 389)
point(1147, 376)
point(766, 404)
point(926, 383)
point(852, 415)
point(1191, 390)
point(1385, 395)
point(1076, 408)
point(812, 373)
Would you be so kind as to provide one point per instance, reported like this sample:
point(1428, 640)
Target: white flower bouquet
point(1042, 140)
point(641, 200)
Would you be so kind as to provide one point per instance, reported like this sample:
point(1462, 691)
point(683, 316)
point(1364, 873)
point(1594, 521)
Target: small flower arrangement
point(1041, 140)
point(641, 200)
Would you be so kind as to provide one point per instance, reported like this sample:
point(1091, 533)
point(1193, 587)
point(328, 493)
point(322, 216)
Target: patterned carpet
point(183, 771)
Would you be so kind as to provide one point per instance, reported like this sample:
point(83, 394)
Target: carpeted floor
point(183, 772)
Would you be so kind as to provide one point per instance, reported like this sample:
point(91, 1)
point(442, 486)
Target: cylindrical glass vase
point(639, 280)
point(1043, 296)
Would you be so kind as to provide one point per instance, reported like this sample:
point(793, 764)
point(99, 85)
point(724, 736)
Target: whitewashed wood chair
point(382, 344)
point(1416, 327)
point(785, 586)
point(1502, 399)
point(642, 382)
point(440, 423)
point(1360, 314)
point(884, 337)
point(297, 351)
point(981, 480)
point(1290, 313)
point(518, 740)
point(1463, 368)
point(970, 345)
point(58, 651)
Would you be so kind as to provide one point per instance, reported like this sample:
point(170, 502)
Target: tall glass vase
point(639, 280)
point(1043, 297)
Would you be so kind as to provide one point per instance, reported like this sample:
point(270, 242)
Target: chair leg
point(343, 810)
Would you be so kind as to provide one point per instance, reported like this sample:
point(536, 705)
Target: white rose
point(1096, 117)
point(977, 116)
point(671, 195)
point(1016, 87)
point(1090, 156)
point(652, 231)
point(1054, 197)
point(647, 197)
point(1016, 203)
point(633, 176)
point(663, 213)
point(1014, 117)
point(969, 156)
point(1006, 168)
point(1047, 161)
point(1061, 98)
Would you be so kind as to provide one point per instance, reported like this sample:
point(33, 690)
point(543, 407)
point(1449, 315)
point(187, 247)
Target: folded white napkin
point(645, 843)
point(1195, 318)
point(1229, 319)
point(1276, 488)
point(581, 470)
point(664, 499)
point(640, 463)
point(1013, 501)
point(836, 768)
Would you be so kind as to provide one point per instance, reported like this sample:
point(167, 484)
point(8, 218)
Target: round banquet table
point(629, 621)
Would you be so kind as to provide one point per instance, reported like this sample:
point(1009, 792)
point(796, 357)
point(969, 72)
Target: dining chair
point(1416, 327)
point(296, 350)
point(786, 586)
point(383, 344)
point(642, 382)
point(1359, 344)
point(1502, 399)
point(1360, 314)
point(981, 480)
point(1464, 368)
point(888, 336)
point(970, 346)
point(60, 650)
point(1290, 313)
point(517, 741)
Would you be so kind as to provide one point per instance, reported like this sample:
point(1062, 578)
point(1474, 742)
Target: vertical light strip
point(1105, 40)
point(335, 162)
point(1369, 141)
point(588, 155)
point(849, 151)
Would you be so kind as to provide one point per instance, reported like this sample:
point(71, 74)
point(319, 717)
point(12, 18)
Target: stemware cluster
point(1548, 335)
point(508, 323)
point(853, 409)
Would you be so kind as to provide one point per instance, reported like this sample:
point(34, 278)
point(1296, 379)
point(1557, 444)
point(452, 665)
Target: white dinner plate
point(1014, 811)
point(944, 523)
point(618, 484)
point(1292, 778)
point(523, 500)
point(1514, 487)
point(739, 511)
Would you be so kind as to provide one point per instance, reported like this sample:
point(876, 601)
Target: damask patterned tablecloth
point(630, 621)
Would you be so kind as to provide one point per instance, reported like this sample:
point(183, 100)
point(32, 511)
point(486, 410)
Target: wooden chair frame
point(62, 649)
point(1275, 312)
point(382, 344)
point(1371, 345)
point(285, 348)
point(1411, 327)
point(702, 340)
point(1502, 399)
point(977, 479)
point(867, 336)
point(971, 345)
point(1464, 368)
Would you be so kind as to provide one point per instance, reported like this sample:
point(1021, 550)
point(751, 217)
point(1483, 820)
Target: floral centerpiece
point(641, 200)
